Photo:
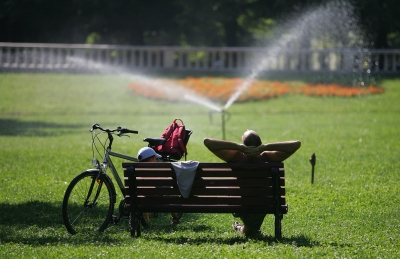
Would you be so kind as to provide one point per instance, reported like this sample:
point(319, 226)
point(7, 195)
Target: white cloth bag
point(185, 173)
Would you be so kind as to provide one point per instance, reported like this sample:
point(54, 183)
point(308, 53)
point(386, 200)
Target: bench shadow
point(13, 127)
point(162, 224)
point(298, 241)
point(156, 233)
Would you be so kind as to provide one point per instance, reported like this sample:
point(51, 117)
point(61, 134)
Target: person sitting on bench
point(251, 150)
point(147, 154)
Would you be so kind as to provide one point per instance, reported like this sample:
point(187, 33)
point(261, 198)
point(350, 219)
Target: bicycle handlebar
point(118, 129)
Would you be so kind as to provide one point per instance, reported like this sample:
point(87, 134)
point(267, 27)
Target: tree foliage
point(177, 22)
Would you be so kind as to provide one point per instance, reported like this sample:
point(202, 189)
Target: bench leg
point(132, 223)
point(138, 230)
point(278, 227)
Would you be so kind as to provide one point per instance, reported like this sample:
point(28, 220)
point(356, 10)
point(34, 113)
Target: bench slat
point(211, 200)
point(168, 172)
point(229, 190)
point(199, 182)
point(207, 166)
point(212, 209)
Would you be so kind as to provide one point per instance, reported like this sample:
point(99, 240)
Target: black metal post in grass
point(224, 118)
point(313, 159)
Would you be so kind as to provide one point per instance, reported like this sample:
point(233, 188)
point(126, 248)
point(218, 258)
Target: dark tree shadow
point(41, 214)
point(40, 223)
point(13, 127)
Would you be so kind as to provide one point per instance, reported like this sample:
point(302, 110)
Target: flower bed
point(221, 89)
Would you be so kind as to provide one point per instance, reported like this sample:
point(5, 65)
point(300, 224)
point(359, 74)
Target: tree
point(178, 22)
point(381, 20)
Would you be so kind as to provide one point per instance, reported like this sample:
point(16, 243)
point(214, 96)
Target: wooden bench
point(217, 188)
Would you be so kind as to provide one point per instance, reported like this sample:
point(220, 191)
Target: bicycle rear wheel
point(88, 203)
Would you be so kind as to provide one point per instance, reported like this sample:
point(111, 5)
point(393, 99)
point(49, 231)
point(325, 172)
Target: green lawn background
point(351, 211)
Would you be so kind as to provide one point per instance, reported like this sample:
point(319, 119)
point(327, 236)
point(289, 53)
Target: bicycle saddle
point(154, 141)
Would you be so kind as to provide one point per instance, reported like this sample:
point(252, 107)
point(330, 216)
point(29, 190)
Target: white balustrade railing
point(82, 57)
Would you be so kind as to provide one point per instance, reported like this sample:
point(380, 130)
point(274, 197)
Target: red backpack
point(174, 146)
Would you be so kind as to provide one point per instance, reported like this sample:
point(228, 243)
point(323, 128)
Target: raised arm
point(275, 152)
point(225, 150)
point(234, 152)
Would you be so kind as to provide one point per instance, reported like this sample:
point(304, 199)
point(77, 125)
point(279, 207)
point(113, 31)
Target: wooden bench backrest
point(217, 188)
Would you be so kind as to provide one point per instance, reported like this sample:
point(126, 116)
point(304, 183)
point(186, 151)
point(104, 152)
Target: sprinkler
point(224, 118)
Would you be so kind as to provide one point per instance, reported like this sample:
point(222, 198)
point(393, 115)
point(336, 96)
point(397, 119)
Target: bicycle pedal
point(115, 219)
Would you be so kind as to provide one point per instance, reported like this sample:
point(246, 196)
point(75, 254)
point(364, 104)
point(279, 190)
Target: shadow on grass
point(205, 233)
point(12, 127)
point(41, 214)
point(40, 223)
point(298, 241)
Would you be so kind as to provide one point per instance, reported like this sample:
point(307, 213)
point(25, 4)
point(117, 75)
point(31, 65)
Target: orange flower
point(221, 89)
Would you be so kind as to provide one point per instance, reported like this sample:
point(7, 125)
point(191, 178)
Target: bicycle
point(89, 199)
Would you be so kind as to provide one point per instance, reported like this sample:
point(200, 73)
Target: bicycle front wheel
point(88, 203)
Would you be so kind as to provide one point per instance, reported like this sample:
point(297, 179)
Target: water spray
point(214, 109)
point(202, 101)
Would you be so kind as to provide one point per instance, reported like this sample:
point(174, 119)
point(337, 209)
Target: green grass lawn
point(351, 211)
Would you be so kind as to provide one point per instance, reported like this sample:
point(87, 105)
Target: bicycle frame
point(107, 163)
